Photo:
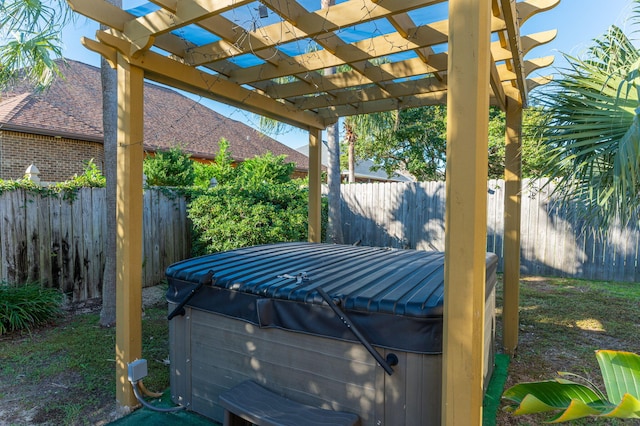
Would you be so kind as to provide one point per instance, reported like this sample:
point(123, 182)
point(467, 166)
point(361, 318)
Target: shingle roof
point(363, 169)
point(72, 107)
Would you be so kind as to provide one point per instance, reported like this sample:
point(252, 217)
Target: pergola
point(270, 56)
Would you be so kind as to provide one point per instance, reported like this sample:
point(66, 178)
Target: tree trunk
point(351, 137)
point(109, 79)
point(334, 231)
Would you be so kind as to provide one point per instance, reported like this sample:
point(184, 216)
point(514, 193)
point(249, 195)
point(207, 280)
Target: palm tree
point(109, 81)
point(366, 126)
point(31, 32)
point(593, 135)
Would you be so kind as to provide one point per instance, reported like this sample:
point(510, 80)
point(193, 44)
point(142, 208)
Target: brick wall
point(58, 159)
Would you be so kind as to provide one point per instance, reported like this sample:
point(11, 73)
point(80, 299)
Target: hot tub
point(320, 324)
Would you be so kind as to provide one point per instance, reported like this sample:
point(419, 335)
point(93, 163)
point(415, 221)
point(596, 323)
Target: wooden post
point(512, 206)
point(315, 185)
point(466, 211)
point(128, 228)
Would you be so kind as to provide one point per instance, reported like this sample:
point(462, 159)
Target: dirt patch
point(61, 398)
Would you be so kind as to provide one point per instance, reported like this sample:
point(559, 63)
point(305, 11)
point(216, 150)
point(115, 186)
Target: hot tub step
point(250, 402)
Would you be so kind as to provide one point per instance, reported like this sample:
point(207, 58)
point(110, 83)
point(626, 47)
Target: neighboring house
point(363, 171)
point(60, 129)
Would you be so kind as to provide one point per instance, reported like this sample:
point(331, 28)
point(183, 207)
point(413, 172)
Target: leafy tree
point(362, 128)
point(593, 134)
point(533, 149)
point(169, 168)
point(222, 170)
point(416, 143)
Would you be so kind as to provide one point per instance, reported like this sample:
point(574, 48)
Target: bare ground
point(24, 402)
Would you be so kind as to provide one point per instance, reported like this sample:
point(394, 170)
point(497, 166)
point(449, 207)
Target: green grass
point(71, 367)
point(562, 322)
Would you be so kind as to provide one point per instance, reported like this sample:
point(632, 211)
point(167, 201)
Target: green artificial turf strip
point(146, 416)
point(494, 390)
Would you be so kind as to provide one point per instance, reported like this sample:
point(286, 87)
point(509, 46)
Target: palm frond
point(593, 137)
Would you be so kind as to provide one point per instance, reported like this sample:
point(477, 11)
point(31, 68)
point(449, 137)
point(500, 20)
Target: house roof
point(72, 107)
point(363, 169)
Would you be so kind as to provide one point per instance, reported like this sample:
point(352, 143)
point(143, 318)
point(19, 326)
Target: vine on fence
point(91, 178)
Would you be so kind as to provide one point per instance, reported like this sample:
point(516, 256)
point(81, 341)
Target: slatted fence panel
point(553, 241)
point(60, 243)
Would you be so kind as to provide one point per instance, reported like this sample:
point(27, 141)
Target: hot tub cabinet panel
point(216, 346)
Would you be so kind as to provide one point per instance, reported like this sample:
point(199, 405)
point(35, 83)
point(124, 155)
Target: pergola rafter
point(288, 78)
point(268, 57)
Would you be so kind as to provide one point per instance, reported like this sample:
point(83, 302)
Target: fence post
point(33, 174)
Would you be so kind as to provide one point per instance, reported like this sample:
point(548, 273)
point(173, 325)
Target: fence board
point(553, 241)
point(20, 256)
point(98, 239)
point(4, 244)
point(44, 256)
point(56, 243)
point(66, 245)
point(147, 235)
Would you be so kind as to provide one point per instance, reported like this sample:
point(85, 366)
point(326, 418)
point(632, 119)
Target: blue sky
point(577, 21)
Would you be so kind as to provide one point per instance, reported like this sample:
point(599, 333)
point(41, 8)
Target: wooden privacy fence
point(553, 241)
point(61, 243)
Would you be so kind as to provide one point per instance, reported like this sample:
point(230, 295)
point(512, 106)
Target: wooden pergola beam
point(421, 36)
point(344, 80)
point(537, 63)
point(129, 245)
point(371, 93)
point(513, 40)
point(142, 30)
point(495, 80)
point(512, 207)
point(315, 185)
point(466, 212)
point(177, 74)
point(315, 23)
point(530, 41)
point(528, 8)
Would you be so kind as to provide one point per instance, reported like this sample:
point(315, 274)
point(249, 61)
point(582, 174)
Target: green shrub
point(26, 306)
point(222, 170)
point(91, 177)
point(255, 202)
point(169, 168)
point(233, 216)
point(267, 168)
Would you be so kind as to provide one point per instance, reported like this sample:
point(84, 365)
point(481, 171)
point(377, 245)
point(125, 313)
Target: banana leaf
point(572, 400)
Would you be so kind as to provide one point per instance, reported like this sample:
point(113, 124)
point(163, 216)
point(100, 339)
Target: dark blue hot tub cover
point(395, 297)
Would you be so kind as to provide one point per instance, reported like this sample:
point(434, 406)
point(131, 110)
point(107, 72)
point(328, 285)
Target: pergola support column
point(466, 211)
point(129, 203)
point(315, 185)
point(512, 209)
